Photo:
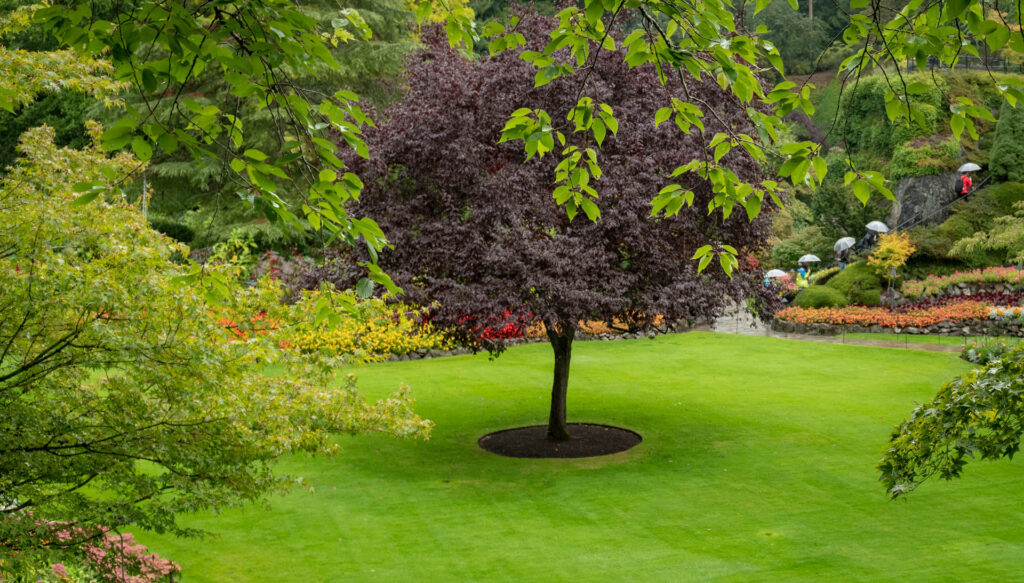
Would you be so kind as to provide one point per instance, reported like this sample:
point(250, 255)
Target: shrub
point(820, 296)
point(369, 331)
point(902, 131)
point(1006, 162)
point(809, 240)
point(892, 253)
point(857, 282)
point(834, 207)
point(863, 119)
point(173, 229)
point(1006, 195)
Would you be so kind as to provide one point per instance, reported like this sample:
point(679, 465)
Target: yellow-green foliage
point(368, 331)
point(892, 253)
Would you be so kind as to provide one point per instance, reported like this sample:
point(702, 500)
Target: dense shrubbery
point(976, 214)
point(1006, 162)
point(173, 229)
point(809, 240)
point(866, 127)
point(935, 284)
point(368, 331)
point(903, 130)
point(820, 296)
point(859, 284)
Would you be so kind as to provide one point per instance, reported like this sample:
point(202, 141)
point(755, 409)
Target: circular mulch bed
point(588, 440)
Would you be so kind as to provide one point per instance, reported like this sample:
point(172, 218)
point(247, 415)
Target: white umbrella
point(776, 273)
point(969, 167)
point(808, 259)
point(844, 243)
point(878, 226)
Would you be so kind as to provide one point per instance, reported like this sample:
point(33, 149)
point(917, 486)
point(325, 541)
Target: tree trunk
point(561, 343)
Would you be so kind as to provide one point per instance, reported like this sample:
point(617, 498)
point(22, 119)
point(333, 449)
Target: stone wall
point(1006, 327)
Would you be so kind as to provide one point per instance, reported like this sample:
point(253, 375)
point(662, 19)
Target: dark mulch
point(588, 440)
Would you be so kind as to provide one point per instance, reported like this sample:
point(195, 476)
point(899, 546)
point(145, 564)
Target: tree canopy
point(128, 397)
point(474, 226)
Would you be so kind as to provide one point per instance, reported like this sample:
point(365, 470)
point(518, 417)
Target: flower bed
point(1006, 312)
point(887, 318)
point(935, 285)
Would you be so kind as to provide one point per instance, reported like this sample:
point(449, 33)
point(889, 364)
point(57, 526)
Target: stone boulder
point(922, 200)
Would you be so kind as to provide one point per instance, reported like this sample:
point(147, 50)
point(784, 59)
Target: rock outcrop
point(922, 200)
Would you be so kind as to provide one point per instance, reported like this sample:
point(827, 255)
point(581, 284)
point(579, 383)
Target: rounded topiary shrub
point(820, 296)
point(856, 283)
point(871, 297)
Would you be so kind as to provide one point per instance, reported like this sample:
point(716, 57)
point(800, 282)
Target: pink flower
point(59, 570)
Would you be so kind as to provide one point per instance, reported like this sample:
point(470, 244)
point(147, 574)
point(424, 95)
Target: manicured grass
point(922, 338)
point(757, 465)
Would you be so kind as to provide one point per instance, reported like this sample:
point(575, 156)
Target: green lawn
point(757, 465)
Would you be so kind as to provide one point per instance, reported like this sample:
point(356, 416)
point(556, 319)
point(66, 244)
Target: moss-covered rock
point(925, 157)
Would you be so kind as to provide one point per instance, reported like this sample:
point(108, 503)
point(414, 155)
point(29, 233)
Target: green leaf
point(598, 128)
point(364, 288)
point(862, 191)
point(704, 261)
point(591, 209)
point(997, 39)
point(956, 123)
point(662, 116)
point(141, 148)
point(820, 168)
point(85, 198)
point(702, 251)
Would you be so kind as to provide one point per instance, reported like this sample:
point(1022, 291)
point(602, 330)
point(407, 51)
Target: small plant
point(987, 350)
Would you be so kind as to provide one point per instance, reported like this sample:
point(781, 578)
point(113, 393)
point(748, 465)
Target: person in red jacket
point(965, 180)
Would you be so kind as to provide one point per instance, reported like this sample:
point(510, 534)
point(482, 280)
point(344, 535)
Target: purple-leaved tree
point(475, 228)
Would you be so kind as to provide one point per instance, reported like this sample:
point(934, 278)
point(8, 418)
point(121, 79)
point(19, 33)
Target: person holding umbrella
point(871, 237)
point(805, 270)
point(842, 249)
point(964, 183)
